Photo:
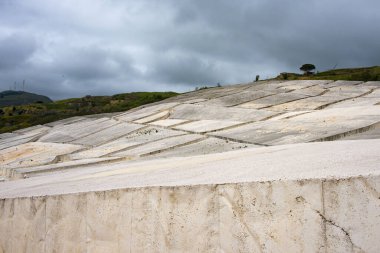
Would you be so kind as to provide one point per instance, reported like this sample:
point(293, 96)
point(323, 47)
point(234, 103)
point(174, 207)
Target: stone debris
point(269, 166)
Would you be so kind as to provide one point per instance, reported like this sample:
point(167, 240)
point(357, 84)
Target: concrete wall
point(281, 216)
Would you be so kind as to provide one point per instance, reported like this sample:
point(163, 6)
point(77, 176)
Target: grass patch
point(17, 117)
point(352, 74)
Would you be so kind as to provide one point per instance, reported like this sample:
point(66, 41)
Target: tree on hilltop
point(307, 68)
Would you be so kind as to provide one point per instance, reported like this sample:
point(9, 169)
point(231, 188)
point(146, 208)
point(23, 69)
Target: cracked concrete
point(200, 173)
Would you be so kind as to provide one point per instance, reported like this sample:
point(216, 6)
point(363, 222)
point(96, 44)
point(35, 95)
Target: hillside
point(268, 166)
point(21, 116)
point(10, 97)
point(348, 74)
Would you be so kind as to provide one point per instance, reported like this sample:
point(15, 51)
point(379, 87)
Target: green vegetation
point(353, 74)
point(10, 97)
point(307, 68)
point(21, 116)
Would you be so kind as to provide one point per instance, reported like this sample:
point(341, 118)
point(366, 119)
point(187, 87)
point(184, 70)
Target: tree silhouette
point(307, 68)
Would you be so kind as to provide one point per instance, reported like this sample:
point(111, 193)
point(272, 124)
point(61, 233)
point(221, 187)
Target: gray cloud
point(73, 48)
point(15, 50)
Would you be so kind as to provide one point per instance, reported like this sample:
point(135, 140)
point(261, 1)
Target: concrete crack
point(332, 223)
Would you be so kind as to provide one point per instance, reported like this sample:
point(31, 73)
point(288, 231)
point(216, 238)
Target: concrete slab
point(199, 112)
point(341, 83)
point(194, 101)
point(34, 130)
point(43, 169)
point(272, 100)
point(217, 92)
point(372, 132)
point(4, 136)
point(371, 84)
point(34, 153)
point(354, 102)
point(311, 91)
point(168, 122)
point(147, 111)
point(304, 161)
point(318, 125)
point(154, 117)
point(16, 140)
point(74, 131)
point(303, 84)
point(288, 115)
point(172, 191)
point(108, 134)
point(134, 139)
point(104, 150)
point(238, 98)
point(271, 86)
point(373, 94)
point(347, 91)
point(68, 121)
point(208, 146)
point(307, 104)
point(160, 146)
point(204, 126)
point(151, 133)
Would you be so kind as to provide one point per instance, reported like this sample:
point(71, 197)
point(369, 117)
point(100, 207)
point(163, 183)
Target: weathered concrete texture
point(16, 173)
point(341, 83)
point(21, 136)
point(159, 146)
point(313, 126)
point(283, 162)
point(68, 133)
point(206, 146)
point(305, 84)
point(281, 216)
point(157, 116)
point(169, 122)
point(145, 112)
point(201, 173)
point(273, 100)
point(203, 126)
point(32, 154)
point(200, 112)
point(15, 141)
point(238, 98)
point(310, 91)
point(108, 134)
point(362, 101)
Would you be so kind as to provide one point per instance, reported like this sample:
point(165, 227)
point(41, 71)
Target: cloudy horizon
point(96, 47)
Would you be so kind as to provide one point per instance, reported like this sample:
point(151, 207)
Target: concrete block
point(203, 126)
point(271, 217)
point(168, 219)
point(66, 223)
point(28, 225)
point(351, 214)
point(109, 221)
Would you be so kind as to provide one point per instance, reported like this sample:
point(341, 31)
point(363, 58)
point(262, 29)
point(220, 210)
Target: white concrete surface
point(199, 173)
point(203, 126)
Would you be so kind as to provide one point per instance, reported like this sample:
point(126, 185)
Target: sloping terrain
point(351, 74)
point(273, 166)
point(13, 118)
point(10, 98)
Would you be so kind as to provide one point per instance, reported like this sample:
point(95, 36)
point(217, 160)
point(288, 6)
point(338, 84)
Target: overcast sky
point(71, 48)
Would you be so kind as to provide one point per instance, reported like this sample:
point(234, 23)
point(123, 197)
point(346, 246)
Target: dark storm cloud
point(73, 48)
point(15, 50)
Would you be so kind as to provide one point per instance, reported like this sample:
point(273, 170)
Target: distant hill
point(10, 97)
point(351, 74)
point(15, 117)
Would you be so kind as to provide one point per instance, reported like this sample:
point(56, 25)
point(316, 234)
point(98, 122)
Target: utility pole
point(23, 85)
